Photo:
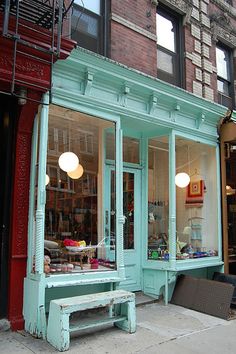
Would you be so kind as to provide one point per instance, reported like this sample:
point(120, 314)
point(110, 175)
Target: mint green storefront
point(133, 135)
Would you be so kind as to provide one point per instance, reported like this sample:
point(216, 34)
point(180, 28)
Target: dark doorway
point(8, 114)
point(231, 204)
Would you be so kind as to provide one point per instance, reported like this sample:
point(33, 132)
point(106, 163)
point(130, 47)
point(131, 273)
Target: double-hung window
point(224, 76)
point(168, 47)
point(87, 24)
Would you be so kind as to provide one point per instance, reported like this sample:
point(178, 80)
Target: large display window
point(74, 236)
point(158, 198)
point(196, 203)
point(196, 200)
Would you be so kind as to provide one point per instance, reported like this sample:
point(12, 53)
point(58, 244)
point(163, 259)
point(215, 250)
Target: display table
point(80, 252)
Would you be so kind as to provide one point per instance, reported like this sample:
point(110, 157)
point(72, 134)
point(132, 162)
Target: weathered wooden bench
point(59, 328)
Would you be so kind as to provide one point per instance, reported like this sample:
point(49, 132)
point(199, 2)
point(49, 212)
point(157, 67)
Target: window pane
point(165, 62)
point(165, 32)
point(158, 198)
point(92, 5)
point(196, 227)
point(222, 63)
point(223, 87)
point(73, 212)
point(84, 23)
point(130, 149)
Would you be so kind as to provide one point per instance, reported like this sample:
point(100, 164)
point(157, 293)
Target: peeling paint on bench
point(124, 315)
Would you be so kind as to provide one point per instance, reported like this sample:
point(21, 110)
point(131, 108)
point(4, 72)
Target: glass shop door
point(132, 226)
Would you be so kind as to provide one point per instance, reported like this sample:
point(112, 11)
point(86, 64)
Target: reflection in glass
point(222, 63)
point(131, 148)
point(165, 32)
point(74, 235)
point(196, 227)
point(158, 198)
point(128, 209)
point(165, 62)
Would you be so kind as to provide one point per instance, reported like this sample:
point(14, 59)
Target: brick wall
point(133, 41)
point(133, 34)
point(132, 49)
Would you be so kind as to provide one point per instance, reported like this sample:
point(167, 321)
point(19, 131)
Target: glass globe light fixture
point(77, 173)
point(68, 161)
point(182, 180)
point(47, 179)
point(229, 190)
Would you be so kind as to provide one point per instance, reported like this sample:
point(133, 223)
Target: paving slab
point(160, 328)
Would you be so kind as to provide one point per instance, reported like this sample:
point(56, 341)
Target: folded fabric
point(195, 193)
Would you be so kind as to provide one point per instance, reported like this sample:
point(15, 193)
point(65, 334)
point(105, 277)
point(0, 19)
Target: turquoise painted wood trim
point(41, 195)
point(110, 254)
point(144, 199)
point(65, 280)
point(172, 201)
point(87, 104)
point(31, 226)
point(185, 264)
point(120, 219)
point(219, 202)
point(193, 137)
point(70, 100)
point(93, 79)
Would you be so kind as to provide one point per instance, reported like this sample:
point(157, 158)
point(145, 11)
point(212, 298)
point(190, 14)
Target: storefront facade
point(122, 215)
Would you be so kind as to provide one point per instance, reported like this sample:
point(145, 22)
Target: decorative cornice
point(222, 29)
point(225, 7)
point(182, 6)
point(131, 93)
point(133, 27)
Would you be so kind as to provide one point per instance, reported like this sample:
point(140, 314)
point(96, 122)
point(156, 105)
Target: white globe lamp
point(77, 173)
point(182, 180)
point(47, 179)
point(68, 161)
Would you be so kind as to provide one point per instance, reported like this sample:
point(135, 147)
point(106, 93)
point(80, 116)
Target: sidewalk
point(160, 329)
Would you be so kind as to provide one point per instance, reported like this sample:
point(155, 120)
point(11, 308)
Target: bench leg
point(58, 333)
point(128, 309)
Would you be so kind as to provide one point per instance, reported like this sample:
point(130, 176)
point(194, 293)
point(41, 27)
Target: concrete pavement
point(160, 329)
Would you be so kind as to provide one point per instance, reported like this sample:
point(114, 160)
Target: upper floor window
point(224, 76)
point(168, 47)
point(87, 24)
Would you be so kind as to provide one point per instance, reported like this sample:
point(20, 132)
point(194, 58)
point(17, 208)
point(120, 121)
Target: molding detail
point(152, 103)
point(22, 66)
point(88, 82)
point(225, 7)
point(123, 95)
point(223, 30)
point(200, 120)
point(133, 27)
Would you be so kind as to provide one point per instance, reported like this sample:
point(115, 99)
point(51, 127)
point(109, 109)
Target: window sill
point(85, 278)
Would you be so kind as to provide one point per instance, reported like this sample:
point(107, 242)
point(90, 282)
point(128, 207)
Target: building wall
point(205, 23)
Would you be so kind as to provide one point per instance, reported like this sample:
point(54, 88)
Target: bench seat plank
point(86, 302)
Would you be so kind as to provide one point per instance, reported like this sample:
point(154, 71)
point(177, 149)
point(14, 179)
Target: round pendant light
point(182, 180)
point(77, 173)
point(47, 179)
point(68, 161)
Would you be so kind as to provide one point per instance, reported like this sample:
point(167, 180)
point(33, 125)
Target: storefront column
point(34, 286)
point(172, 206)
point(41, 197)
point(19, 220)
point(120, 220)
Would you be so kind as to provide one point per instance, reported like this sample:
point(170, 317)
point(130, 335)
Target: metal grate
point(34, 15)
point(44, 13)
